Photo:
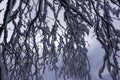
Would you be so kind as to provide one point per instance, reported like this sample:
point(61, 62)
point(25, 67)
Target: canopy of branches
point(39, 34)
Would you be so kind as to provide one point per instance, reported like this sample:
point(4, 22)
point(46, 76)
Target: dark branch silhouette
point(1, 30)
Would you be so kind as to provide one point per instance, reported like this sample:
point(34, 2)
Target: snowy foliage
point(39, 32)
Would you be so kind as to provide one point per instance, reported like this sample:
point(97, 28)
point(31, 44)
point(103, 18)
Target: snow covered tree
point(38, 34)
